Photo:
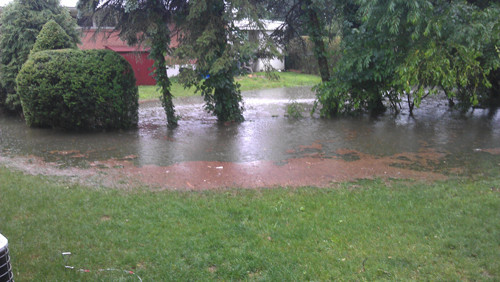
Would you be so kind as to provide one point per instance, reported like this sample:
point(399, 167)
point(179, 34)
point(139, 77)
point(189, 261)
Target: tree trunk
point(411, 104)
point(315, 32)
point(160, 41)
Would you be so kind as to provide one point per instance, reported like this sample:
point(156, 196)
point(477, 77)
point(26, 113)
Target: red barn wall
point(142, 65)
point(139, 61)
point(138, 58)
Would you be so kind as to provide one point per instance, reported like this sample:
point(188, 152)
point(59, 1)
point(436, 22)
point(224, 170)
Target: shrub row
point(73, 89)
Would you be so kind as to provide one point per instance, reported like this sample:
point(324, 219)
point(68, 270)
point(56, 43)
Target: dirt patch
point(202, 175)
point(314, 146)
point(212, 269)
point(296, 172)
point(105, 218)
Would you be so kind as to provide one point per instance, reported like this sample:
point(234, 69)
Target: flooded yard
point(268, 149)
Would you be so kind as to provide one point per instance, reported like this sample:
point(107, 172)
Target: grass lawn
point(252, 82)
point(354, 231)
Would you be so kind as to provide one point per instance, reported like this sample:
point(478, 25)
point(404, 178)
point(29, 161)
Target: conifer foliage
point(22, 21)
point(52, 37)
point(211, 34)
point(207, 32)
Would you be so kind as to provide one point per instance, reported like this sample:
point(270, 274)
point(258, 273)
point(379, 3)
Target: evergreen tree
point(212, 37)
point(22, 21)
point(52, 37)
point(208, 34)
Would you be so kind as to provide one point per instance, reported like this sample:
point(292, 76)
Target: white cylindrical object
point(5, 267)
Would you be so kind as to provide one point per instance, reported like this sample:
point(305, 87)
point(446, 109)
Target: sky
point(65, 3)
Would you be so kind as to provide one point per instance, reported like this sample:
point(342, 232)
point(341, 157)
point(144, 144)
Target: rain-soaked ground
point(268, 149)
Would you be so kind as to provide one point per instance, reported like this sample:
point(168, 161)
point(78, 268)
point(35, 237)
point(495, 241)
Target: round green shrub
point(73, 89)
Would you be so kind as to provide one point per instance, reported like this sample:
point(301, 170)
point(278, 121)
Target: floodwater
point(269, 148)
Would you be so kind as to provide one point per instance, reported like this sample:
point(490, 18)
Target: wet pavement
point(268, 149)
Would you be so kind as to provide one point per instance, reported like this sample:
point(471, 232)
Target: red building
point(139, 61)
point(137, 57)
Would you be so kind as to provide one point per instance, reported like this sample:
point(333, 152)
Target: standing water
point(436, 139)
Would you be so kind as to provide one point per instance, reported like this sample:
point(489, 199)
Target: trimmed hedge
point(73, 89)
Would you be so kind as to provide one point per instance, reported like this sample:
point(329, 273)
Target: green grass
point(147, 92)
point(356, 231)
point(287, 79)
point(256, 81)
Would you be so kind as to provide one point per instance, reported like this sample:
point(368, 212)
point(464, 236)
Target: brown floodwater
point(268, 149)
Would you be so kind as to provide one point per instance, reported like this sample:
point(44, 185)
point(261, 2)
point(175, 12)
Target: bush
point(294, 110)
point(74, 89)
point(51, 37)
